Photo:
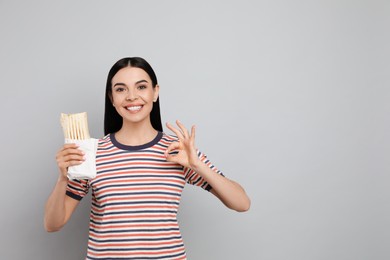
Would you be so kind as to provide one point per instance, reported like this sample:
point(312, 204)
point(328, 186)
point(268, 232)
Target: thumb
point(170, 152)
point(170, 158)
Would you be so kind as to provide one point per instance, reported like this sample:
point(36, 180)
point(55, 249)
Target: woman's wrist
point(196, 165)
point(62, 178)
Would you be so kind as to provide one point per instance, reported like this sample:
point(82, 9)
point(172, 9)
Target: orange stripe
point(112, 208)
point(176, 198)
point(149, 216)
point(130, 244)
point(139, 225)
point(118, 165)
point(133, 180)
point(114, 153)
point(125, 156)
point(139, 171)
point(155, 188)
point(100, 236)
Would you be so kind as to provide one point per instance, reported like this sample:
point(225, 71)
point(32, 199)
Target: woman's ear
point(156, 92)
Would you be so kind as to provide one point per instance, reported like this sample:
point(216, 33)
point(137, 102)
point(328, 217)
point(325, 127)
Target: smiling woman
point(133, 96)
point(112, 120)
point(140, 174)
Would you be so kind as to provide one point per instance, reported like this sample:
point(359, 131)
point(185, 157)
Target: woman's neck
point(135, 134)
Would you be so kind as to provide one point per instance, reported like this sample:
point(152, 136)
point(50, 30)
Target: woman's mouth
point(134, 108)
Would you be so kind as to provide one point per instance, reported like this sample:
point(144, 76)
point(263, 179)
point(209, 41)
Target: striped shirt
point(135, 199)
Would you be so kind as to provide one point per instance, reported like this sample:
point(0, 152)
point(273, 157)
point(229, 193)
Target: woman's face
point(133, 94)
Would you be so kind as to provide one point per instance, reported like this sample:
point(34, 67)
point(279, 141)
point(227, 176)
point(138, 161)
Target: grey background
point(290, 99)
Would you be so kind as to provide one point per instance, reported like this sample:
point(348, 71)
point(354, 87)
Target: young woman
point(141, 173)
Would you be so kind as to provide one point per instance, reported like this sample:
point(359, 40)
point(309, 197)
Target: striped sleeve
point(77, 189)
point(194, 178)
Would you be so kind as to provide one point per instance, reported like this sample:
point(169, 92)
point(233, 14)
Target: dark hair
point(112, 120)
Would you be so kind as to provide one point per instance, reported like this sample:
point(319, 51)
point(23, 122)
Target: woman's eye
point(119, 89)
point(141, 87)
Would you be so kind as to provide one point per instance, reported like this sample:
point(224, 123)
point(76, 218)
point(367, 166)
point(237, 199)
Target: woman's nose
point(131, 96)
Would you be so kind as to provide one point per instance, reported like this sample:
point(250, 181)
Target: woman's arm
point(59, 207)
point(228, 191)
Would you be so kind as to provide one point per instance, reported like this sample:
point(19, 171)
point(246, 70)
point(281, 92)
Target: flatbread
point(75, 126)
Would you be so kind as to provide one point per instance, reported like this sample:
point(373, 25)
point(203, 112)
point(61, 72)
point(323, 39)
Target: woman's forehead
point(130, 75)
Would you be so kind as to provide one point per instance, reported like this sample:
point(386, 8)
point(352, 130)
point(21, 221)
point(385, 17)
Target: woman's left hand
point(228, 191)
point(185, 146)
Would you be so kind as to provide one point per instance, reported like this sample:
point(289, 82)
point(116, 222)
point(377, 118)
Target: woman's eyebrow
point(123, 84)
point(119, 84)
point(141, 81)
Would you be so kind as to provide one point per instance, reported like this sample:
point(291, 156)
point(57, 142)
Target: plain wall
point(290, 99)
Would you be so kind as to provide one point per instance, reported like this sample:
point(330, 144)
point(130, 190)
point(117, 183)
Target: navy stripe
point(134, 212)
point(79, 188)
point(165, 238)
point(136, 147)
point(133, 230)
point(144, 176)
point(133, 249)
point(129, 154)
point(123, 152)
point(121, 160)
point(139, 193)
point(140, 168)
point(163, 202)
point(139, 184)
point(73, 196)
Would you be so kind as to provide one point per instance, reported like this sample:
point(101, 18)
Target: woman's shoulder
point(168, 138)
point(104, 140)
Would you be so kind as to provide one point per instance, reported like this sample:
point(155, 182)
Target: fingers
point(69, 155)
point(172, 147)
point(182, 128)
point(183, 132)
point(168, 153)
point(192, 137)
point(176, 131)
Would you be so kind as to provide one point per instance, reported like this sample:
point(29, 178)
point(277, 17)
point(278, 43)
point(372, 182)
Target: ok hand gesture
point(185, 146)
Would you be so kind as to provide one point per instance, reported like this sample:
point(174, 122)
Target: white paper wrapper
point(86, 170)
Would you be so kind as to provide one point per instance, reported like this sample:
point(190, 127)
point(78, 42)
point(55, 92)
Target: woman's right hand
point(69, 155)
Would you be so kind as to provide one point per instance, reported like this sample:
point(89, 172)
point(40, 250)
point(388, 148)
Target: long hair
point(112, 120)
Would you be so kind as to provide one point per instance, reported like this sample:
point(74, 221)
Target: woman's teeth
point(134, 108)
